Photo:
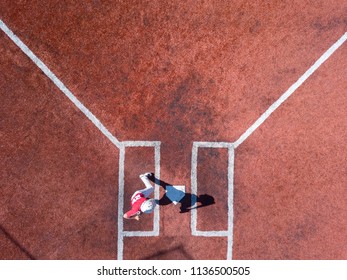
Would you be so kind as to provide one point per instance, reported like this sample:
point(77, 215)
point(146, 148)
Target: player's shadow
point(188, 201)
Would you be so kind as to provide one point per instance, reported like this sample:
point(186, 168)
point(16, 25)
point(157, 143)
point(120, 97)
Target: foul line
point(59, 84)
point(120, 145)
point(156, 144)
point(232, 146)
point(291, 90)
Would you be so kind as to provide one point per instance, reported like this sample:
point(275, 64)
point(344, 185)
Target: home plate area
point(175, 193)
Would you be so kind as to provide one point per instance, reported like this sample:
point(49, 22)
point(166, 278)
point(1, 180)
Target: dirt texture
point(174, 72)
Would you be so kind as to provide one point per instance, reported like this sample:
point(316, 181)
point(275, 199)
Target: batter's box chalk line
point(156, 144)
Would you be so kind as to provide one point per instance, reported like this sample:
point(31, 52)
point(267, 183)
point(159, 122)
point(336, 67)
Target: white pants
point(148, 190)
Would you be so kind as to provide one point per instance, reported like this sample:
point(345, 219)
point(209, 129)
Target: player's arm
point(135, 216)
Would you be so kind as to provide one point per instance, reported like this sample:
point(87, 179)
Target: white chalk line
point(230, 190)
point(213, 144)
point(120, 145)
point(291, 90)
point(156, 217)
point(231, 159)
point(120, 243)
point(141, 143)
point(59, 84)
point(211, 233)
point(156, 144)
point(232, 146)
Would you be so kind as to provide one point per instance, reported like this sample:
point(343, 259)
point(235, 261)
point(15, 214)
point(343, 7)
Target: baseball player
point(140, 203)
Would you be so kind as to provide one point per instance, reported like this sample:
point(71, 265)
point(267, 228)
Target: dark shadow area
point(16, 243)
point(166, 254)
point(188, 201)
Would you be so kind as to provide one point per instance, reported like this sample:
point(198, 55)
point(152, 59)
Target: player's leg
point(149, 187)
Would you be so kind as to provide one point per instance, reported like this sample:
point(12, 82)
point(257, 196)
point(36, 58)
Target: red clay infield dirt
point(174, 72)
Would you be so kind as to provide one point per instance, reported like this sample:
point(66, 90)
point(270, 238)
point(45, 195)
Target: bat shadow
point(187, 201)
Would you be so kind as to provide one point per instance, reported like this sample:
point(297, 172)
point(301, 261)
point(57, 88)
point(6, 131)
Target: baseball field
point(238, 106)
